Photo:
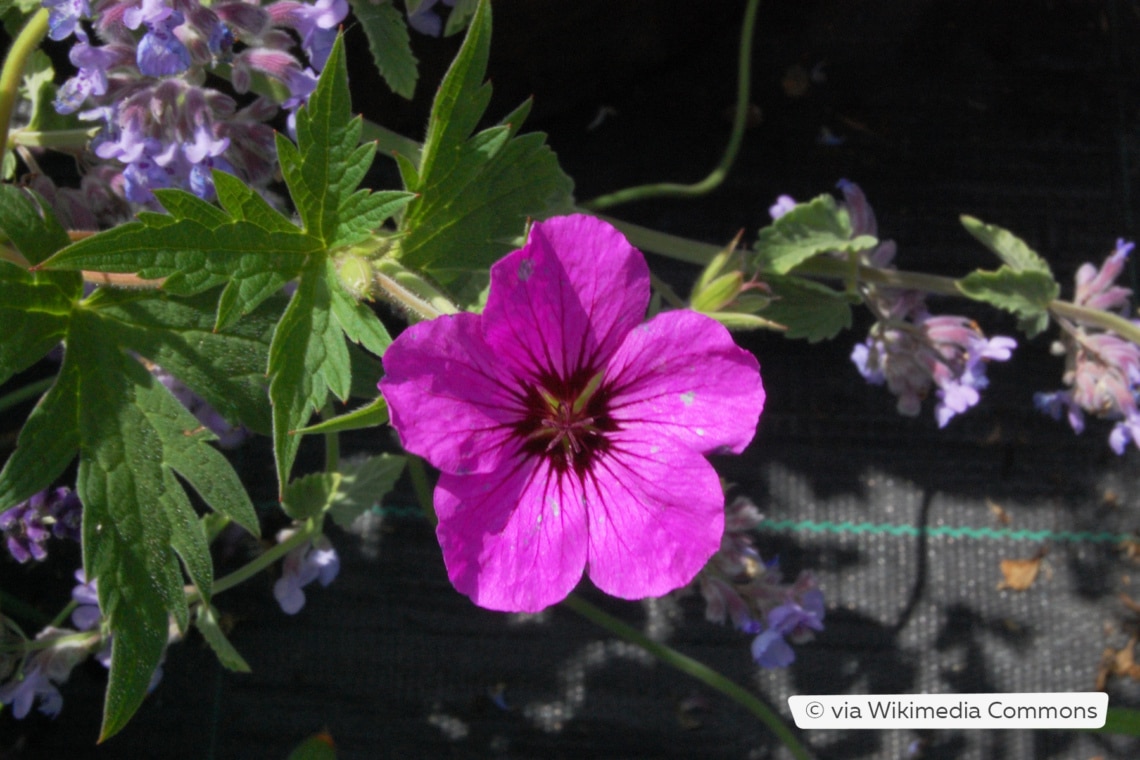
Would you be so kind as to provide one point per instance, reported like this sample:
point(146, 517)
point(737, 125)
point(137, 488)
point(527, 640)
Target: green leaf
point(809, 310)
point(1012, 250)
point(327, 164)
point(809, 229)
point(135, 442)
point(367, 416)
point(207, 623)
point(29, 225)
point(310, 495)
point(475, 193)
point(226, 369)
point(48, 441)
point(246, 246)
point(363, 485)
point(308, 358)
point(1026, 293)
point(388, 39)
point(459, 17)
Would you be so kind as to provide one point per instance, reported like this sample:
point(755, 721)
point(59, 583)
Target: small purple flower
point(28, 525)
point(424, 19)
point(737, 583)
point(314, 561)
point(86, 615)
point(1102, 369)
point(796, 620)
point(783, 205)
point(21, 694)
point(64, 17)
point(910, 350)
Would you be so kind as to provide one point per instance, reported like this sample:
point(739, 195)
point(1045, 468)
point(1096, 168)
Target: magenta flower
point(570, 435)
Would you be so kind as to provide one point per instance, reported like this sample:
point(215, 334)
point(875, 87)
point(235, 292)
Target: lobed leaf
point(475, 193)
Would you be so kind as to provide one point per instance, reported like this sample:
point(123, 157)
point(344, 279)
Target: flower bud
point(356, 276)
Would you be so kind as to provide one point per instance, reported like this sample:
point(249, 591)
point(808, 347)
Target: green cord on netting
point(953, 531)
point(856, 528)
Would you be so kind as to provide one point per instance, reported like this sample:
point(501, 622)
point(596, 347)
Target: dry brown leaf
point(1019, 574)
point(999, 514)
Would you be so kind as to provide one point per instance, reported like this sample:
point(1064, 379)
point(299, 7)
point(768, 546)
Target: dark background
point(1024, 114)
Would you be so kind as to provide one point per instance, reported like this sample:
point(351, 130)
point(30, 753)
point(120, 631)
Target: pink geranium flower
point(569, 434)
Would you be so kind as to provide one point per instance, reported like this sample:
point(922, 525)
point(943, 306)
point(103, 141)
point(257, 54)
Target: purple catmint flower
point(425, 20)
point(313, 561)
point(40, 674)
point(796, 619)
point(783, 205)
point(910, 350)
point(161, 127)
point(86, 616)
point(34, 686)
point(64, 17)
point(570, 435)
point(1102, 369)
point(28, 525)
point(738, 584)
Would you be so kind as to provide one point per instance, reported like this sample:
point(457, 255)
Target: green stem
point(740, 119)
point(20, 395)
point(305, 533)
point(697, 670)
point(1097, 318)
point(60, 139)
point(22, 48)
point(332, 441)
point(422, 486)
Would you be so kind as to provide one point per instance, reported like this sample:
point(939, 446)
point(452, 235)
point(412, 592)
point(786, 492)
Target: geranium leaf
point(307, 359)
point(475, 193)
point(388, 39)
point(247, 247)
point(135, 442)
point(809, 229)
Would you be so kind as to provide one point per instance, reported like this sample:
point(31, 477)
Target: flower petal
point(449, 398)
point(656, 515)
point(512, 540)
point(567, 299)
point(681, 375)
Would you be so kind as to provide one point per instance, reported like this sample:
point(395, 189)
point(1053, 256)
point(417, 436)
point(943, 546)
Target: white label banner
point(1052, 710)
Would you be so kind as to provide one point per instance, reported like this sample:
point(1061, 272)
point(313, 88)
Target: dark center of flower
point(567, 420)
